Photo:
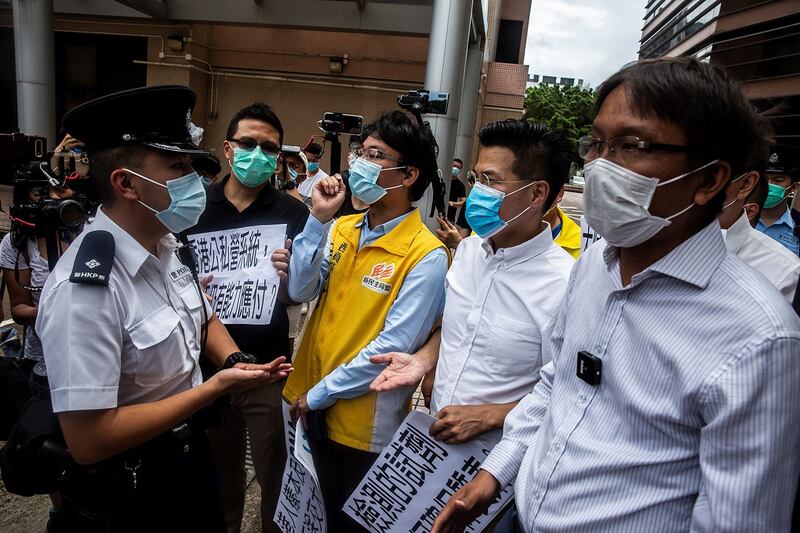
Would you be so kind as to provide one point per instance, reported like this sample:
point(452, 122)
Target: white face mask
point(616, 202)
point(726, 206)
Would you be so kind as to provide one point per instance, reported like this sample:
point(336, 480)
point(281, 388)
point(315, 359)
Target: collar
point(407, 226)
point(786, 218)
point(522, 252)
point(128, 251)
point(216, 192)
point(384, 228)
point(737, 234)
point(694, 260)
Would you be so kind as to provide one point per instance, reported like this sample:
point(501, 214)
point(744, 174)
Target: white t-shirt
point(307, 186)
point(32, 260)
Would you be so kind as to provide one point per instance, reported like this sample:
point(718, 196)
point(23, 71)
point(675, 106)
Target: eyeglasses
point(371, 154)
point(249, 145)
point(627, 150)
point(297, 167)
point(485, 179)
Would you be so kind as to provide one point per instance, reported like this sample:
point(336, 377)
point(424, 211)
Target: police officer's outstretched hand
point(244, 377)
point(327, 197)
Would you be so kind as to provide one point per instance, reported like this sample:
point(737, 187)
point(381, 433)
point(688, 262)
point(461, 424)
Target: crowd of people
point(643, 383)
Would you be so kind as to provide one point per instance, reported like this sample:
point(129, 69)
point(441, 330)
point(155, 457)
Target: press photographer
point(46, 215)
point(50, 206)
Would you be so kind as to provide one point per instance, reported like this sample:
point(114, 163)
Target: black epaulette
point(94, 259)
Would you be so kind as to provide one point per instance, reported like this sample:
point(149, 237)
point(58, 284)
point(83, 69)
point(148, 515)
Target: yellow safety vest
point(362, 286)
point(570, 236)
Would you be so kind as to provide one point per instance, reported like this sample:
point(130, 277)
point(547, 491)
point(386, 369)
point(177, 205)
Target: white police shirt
point(766, 255)
point(498, 306)
point(135, 341)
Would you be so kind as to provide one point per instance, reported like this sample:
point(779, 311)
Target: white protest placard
point(588, 235)
point(302, 451)
point(300, 507)
point(245, 284)
point(413, 479)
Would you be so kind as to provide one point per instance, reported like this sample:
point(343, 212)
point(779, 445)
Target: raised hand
point(448, 233)
point(327, 197)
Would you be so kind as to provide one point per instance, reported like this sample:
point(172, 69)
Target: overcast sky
point(589, 39)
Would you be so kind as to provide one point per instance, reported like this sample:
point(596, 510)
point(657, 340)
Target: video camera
point(422, 101)
point(26, 166)
point(419, 102)
point(335, 124)
point(341, 124)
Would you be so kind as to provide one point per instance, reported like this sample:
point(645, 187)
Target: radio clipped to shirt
point(590, 368)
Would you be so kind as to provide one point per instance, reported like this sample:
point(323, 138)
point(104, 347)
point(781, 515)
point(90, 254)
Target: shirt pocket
point(191, 299)
point(515, 347)
point(160, 352)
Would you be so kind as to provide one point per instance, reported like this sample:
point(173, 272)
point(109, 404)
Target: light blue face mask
point(253, 167)
point(455, 171)
point(483, 209)
point(364, 181)
point(313, 167)
point(188, 201)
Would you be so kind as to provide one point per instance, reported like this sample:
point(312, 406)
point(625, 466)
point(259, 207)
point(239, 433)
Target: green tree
point(562, 108)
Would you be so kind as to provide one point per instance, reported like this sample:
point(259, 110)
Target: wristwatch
point(239, 357)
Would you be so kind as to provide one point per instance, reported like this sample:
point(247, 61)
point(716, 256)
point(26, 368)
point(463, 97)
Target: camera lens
point(70, 213)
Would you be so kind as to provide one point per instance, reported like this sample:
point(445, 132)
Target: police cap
point(157, 117)
point(783, 159)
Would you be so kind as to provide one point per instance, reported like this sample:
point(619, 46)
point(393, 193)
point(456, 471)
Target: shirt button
point(537, 496)
point(598, 347)
point(582, 398)
point(556, 447)
point(620, 296)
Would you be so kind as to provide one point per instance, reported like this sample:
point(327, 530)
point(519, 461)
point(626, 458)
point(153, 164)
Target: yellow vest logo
point(374, 281)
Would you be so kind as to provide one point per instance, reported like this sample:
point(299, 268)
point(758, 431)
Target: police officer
point(123, 325)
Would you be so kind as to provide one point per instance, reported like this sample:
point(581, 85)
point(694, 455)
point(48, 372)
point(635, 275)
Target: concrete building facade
point(758, 41)
point(303, 57)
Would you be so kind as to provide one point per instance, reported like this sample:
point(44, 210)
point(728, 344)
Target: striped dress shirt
point(695, 425)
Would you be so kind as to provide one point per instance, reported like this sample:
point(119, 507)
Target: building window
point(509, 41)
point(680, 27)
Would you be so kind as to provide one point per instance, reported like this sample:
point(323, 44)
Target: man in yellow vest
point(380, 280)
point(566, 233)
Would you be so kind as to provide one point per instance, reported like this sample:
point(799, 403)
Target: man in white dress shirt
point(503, 288)
point(766, 255)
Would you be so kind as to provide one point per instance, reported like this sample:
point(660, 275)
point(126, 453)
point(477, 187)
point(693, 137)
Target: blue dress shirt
point(783, 232)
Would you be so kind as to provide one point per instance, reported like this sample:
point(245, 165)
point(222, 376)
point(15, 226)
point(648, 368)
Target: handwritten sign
point(588, 235)
point(413, 479)
point(245, 284)
point(300, 507)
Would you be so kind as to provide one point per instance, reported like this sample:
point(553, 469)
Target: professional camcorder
point(27, 166)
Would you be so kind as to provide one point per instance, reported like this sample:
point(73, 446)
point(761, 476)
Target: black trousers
point(176, 489)
point(340, 469)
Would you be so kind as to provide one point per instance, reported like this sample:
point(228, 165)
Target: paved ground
point(572, 204)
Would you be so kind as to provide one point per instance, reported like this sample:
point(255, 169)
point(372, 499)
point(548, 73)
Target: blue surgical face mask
point(455, 171)
point(313, 167)
point(483, 209)
point(253, 167)
point(188, 201)
point(364, 181)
